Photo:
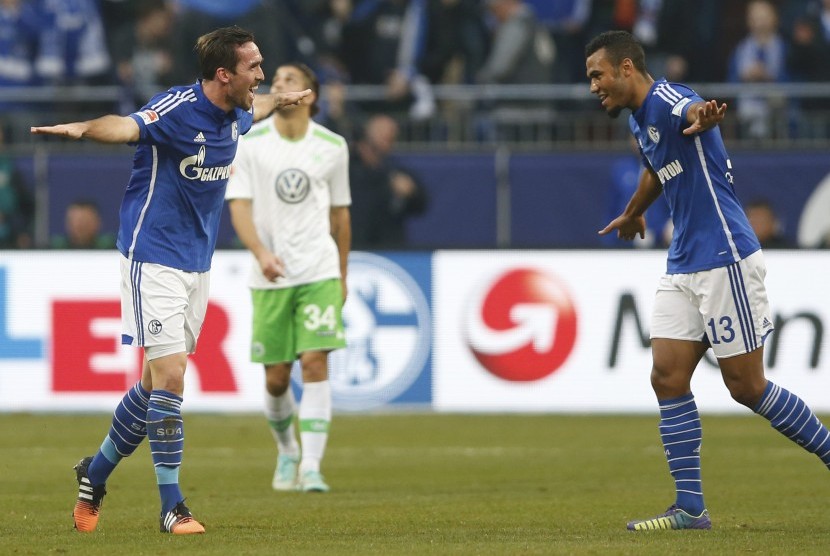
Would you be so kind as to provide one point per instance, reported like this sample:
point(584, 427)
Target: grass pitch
point(420, 484)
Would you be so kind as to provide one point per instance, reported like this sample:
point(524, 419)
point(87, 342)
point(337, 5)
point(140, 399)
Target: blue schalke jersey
point(711, 229)
point(173, 202)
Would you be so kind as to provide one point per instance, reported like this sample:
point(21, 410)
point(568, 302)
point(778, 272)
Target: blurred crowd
point(407, 46)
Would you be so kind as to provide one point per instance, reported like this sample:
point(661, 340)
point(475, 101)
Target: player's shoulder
point(323, 134)
point(671, 98)
point(261, 130)
point(174, 100)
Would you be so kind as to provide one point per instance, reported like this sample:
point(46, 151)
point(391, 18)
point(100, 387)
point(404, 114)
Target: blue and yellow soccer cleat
point(674, 518)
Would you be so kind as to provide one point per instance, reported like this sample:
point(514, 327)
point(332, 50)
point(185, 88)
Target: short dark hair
point(311, 81)
point(84, 204)
point(619, 45)
point(217, 49)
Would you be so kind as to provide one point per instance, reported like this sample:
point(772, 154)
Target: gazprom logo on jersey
point(388, 327)
point(669, 171)
point(191, 168)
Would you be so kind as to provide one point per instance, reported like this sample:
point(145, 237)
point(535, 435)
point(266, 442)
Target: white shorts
point(162, 309)
point(726, 307)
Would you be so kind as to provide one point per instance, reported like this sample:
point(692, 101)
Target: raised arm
point(243, 223)
point(265, 104)
point(632, 222)
point(106, 129)
point(703, 116)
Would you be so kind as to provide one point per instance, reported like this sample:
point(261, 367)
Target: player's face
point(607, 82)
point(288, 79)
point(246, 77)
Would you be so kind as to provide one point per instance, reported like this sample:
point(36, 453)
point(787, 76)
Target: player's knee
point(277, 379)
point(667, 384)
point(745, 392)
point(315, 367)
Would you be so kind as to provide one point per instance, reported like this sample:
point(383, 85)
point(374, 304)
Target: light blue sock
point(681, 433)
point(165, 430)
point(789, 415)
point(127, 431)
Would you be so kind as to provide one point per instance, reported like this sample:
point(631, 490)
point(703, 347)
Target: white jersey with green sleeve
point(292, 185)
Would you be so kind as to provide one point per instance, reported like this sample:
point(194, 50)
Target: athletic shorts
point(290, 321)
point(726, 307)
point(162, 308)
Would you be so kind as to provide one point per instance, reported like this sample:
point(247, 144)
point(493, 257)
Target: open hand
point(71, 131)
point(707, 115)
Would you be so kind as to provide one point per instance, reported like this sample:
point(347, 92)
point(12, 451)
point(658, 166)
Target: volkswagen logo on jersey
point(522, 325)
point(293, 185)
point(387, 321)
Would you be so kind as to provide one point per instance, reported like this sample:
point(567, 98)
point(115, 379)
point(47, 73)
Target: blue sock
point(789, 415)
point(165, 430)
point(681, 433)
point(127, 431)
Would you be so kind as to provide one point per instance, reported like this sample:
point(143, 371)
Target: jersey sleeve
point(680, 108)
point(340, 189)
point(239, 184)
point(158, 120)
point(246, 120)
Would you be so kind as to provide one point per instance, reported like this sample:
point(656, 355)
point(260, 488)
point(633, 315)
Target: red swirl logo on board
point(523, 327)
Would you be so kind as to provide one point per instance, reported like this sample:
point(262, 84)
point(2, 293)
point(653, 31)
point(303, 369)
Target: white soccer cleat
point(285, 476)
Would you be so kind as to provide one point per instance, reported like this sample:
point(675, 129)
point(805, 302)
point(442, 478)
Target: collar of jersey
point(640, 113)
point(211, 109)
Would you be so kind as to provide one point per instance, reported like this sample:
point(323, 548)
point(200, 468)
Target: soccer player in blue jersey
point(712, 294)
point(186, 140)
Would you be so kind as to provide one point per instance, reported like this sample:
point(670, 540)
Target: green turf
point(421, 484)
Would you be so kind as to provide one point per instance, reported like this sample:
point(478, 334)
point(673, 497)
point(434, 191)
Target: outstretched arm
point(704, 116)
point(265, 104)
point(106, 129)
point(632, 222)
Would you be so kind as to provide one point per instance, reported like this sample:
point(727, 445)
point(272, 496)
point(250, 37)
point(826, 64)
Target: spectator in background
point(384, 195)
point(766, 225)
point(17, 207)
point(457, 42)
point(814, 224)
point(383, 43)
point(760, 57)
point(19, 27)
point(82, 228)
point(522, 53)
point(687, 33)
point(72, 48)
point(809, 53)
point(566, 21)
point(273, 25)
point(144, 59)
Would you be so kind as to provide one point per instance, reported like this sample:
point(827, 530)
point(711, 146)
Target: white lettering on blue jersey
point(173, 202)
point(710, 227)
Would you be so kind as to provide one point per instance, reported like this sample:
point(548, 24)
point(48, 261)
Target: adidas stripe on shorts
point(726, 306)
